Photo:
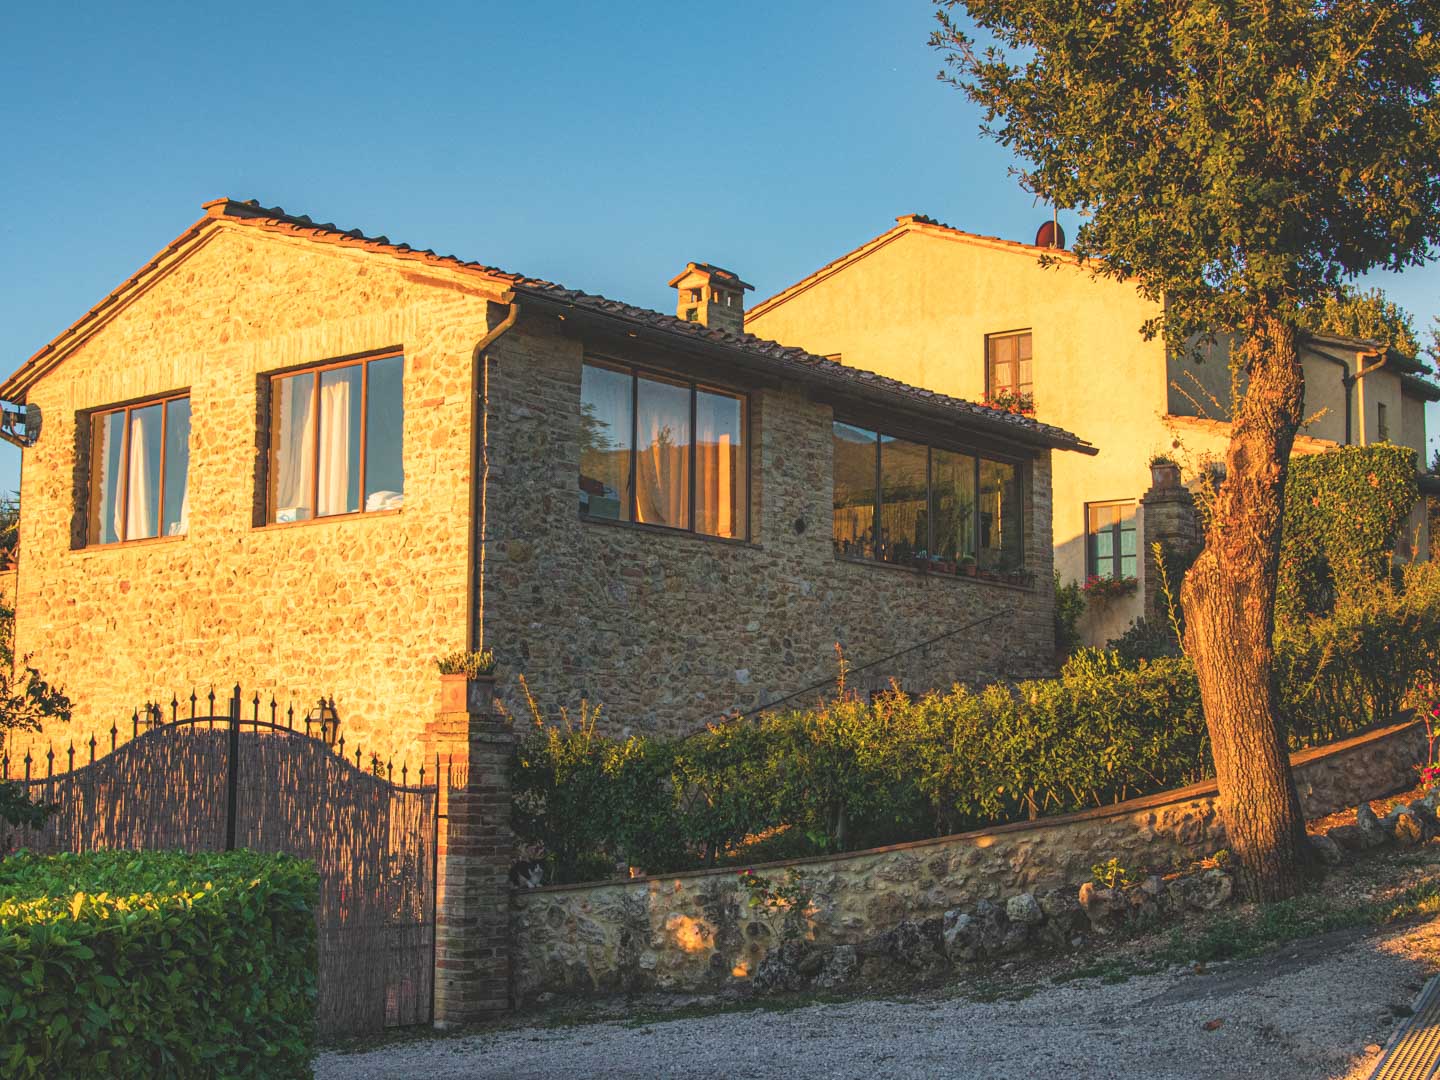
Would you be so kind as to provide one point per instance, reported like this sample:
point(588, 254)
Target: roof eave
point(741, 359)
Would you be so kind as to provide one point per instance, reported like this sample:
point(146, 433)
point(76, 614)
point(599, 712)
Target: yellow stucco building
point(976, 317)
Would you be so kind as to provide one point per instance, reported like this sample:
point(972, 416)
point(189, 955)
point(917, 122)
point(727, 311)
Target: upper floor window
point(916, 505)
point(139, 471)
point(1008, 379)
point(1110, 540)
point(662, 451)
point(337, 439)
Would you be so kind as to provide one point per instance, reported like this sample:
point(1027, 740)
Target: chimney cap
point(715, 274)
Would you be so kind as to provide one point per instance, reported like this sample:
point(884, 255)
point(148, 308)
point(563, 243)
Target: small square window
point(1110, 540)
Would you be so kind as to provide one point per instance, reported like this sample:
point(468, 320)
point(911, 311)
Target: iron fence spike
point(92, 749)
point(403, 771)
point(342, 747)
point(72, 755)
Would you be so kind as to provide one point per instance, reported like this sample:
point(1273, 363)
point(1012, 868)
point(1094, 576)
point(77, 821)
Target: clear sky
point(602, 146)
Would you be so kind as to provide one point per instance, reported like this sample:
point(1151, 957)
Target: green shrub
point(850, 774)
point(471, 663)
point(1343, 513)
point(145, 964)
point(1069, 607)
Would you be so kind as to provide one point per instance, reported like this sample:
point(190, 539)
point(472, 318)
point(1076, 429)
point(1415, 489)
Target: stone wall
point(354, 607)
point(694, 931)
point(668, 630)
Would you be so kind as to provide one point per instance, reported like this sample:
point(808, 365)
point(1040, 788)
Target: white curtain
point(334, 448)
point(296, 462)
point(135, 520)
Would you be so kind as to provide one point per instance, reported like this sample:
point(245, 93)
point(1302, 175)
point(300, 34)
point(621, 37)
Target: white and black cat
point(527, 874)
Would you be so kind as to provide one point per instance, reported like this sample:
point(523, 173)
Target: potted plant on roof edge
point(467, 680)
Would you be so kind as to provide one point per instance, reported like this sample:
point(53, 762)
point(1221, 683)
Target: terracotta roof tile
point(782, 358)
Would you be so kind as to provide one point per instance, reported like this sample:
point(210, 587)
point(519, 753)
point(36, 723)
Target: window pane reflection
point(904, 520)
point(854, 505)
point(662, 453)
point(605, 426)
point(720, 497)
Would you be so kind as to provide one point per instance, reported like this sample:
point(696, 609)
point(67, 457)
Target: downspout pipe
point(480, 468)
point(1360, 373)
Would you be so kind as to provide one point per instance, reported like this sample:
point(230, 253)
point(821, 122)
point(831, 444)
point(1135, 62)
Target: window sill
point(130, 545)
point(665, 530)
point(328, 519)
point(920, 572)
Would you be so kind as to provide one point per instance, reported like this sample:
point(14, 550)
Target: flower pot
point(461, 694)
point(1165, 475)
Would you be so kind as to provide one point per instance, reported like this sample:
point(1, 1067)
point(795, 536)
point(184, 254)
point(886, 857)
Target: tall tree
point(1351, 312)
point(1238, 160)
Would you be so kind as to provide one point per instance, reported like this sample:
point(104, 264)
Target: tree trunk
point(1229, 602)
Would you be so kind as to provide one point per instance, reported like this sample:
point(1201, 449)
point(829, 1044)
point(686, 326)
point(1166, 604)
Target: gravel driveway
point(1307, 1011)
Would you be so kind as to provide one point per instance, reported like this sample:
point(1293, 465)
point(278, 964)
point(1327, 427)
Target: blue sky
point(566, 141)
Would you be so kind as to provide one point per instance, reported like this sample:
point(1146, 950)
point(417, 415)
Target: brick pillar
point(1170, 519)
point(472, 921)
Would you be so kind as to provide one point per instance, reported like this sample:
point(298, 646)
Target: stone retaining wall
point(695, 931)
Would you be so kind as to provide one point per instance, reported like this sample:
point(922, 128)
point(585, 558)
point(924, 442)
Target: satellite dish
point(19, 424)
point(1050, 235)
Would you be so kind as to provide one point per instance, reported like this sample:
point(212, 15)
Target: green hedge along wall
point(157, 964)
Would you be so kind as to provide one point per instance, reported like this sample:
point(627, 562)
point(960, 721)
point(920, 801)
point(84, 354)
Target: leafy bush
point(851, 774)
point(1069, 607)
point(142, 964)
point(1361, 664)
point(1343, 513)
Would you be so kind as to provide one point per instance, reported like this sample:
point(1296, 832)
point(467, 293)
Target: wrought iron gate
point(224, 780)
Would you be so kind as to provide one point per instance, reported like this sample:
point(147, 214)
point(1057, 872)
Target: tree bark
point(1229, 602)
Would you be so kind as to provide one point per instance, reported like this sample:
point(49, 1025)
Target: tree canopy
point(1368, 314)
point(1227, 156)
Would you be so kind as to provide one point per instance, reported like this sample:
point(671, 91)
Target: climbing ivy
point(1343, 514)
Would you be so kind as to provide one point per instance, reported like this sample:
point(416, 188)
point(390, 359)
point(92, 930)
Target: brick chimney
point(710, 296)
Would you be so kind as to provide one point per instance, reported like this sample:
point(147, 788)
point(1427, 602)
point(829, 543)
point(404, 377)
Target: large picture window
point(337, 440)
point(661, 451)
point(139, 471)
point(916, 505)
point(1110, 540)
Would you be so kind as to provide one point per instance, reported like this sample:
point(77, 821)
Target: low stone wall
point(695, 931)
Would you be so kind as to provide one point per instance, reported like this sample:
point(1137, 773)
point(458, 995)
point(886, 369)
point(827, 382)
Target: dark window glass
point(606, 424)
point(1000, 543)
point(319, 422)
point(640, 426)
point(952, 498)
point(854, 475)
point(904, 520)
point(385, 434)
point(1110, 538)
point(139, 469)
point(177, 467)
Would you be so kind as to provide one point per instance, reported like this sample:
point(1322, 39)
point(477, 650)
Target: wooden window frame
point(931, 445)
point(1092, 559)
point(362, 361)
point(990, 388)
point(122, 488)
point(694, 386)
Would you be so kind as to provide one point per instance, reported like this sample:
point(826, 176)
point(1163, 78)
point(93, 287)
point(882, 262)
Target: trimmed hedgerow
point(853, 774)
point(144, 964)
point(1343, 513)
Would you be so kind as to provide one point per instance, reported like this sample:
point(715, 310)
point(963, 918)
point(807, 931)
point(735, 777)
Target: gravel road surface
point(1306, 1011)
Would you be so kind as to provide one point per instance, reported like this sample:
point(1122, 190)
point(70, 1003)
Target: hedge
point(853, 774)
point(157, 964)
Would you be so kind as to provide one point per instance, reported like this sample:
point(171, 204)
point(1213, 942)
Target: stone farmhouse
point(981, 318)
point(313, 460)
